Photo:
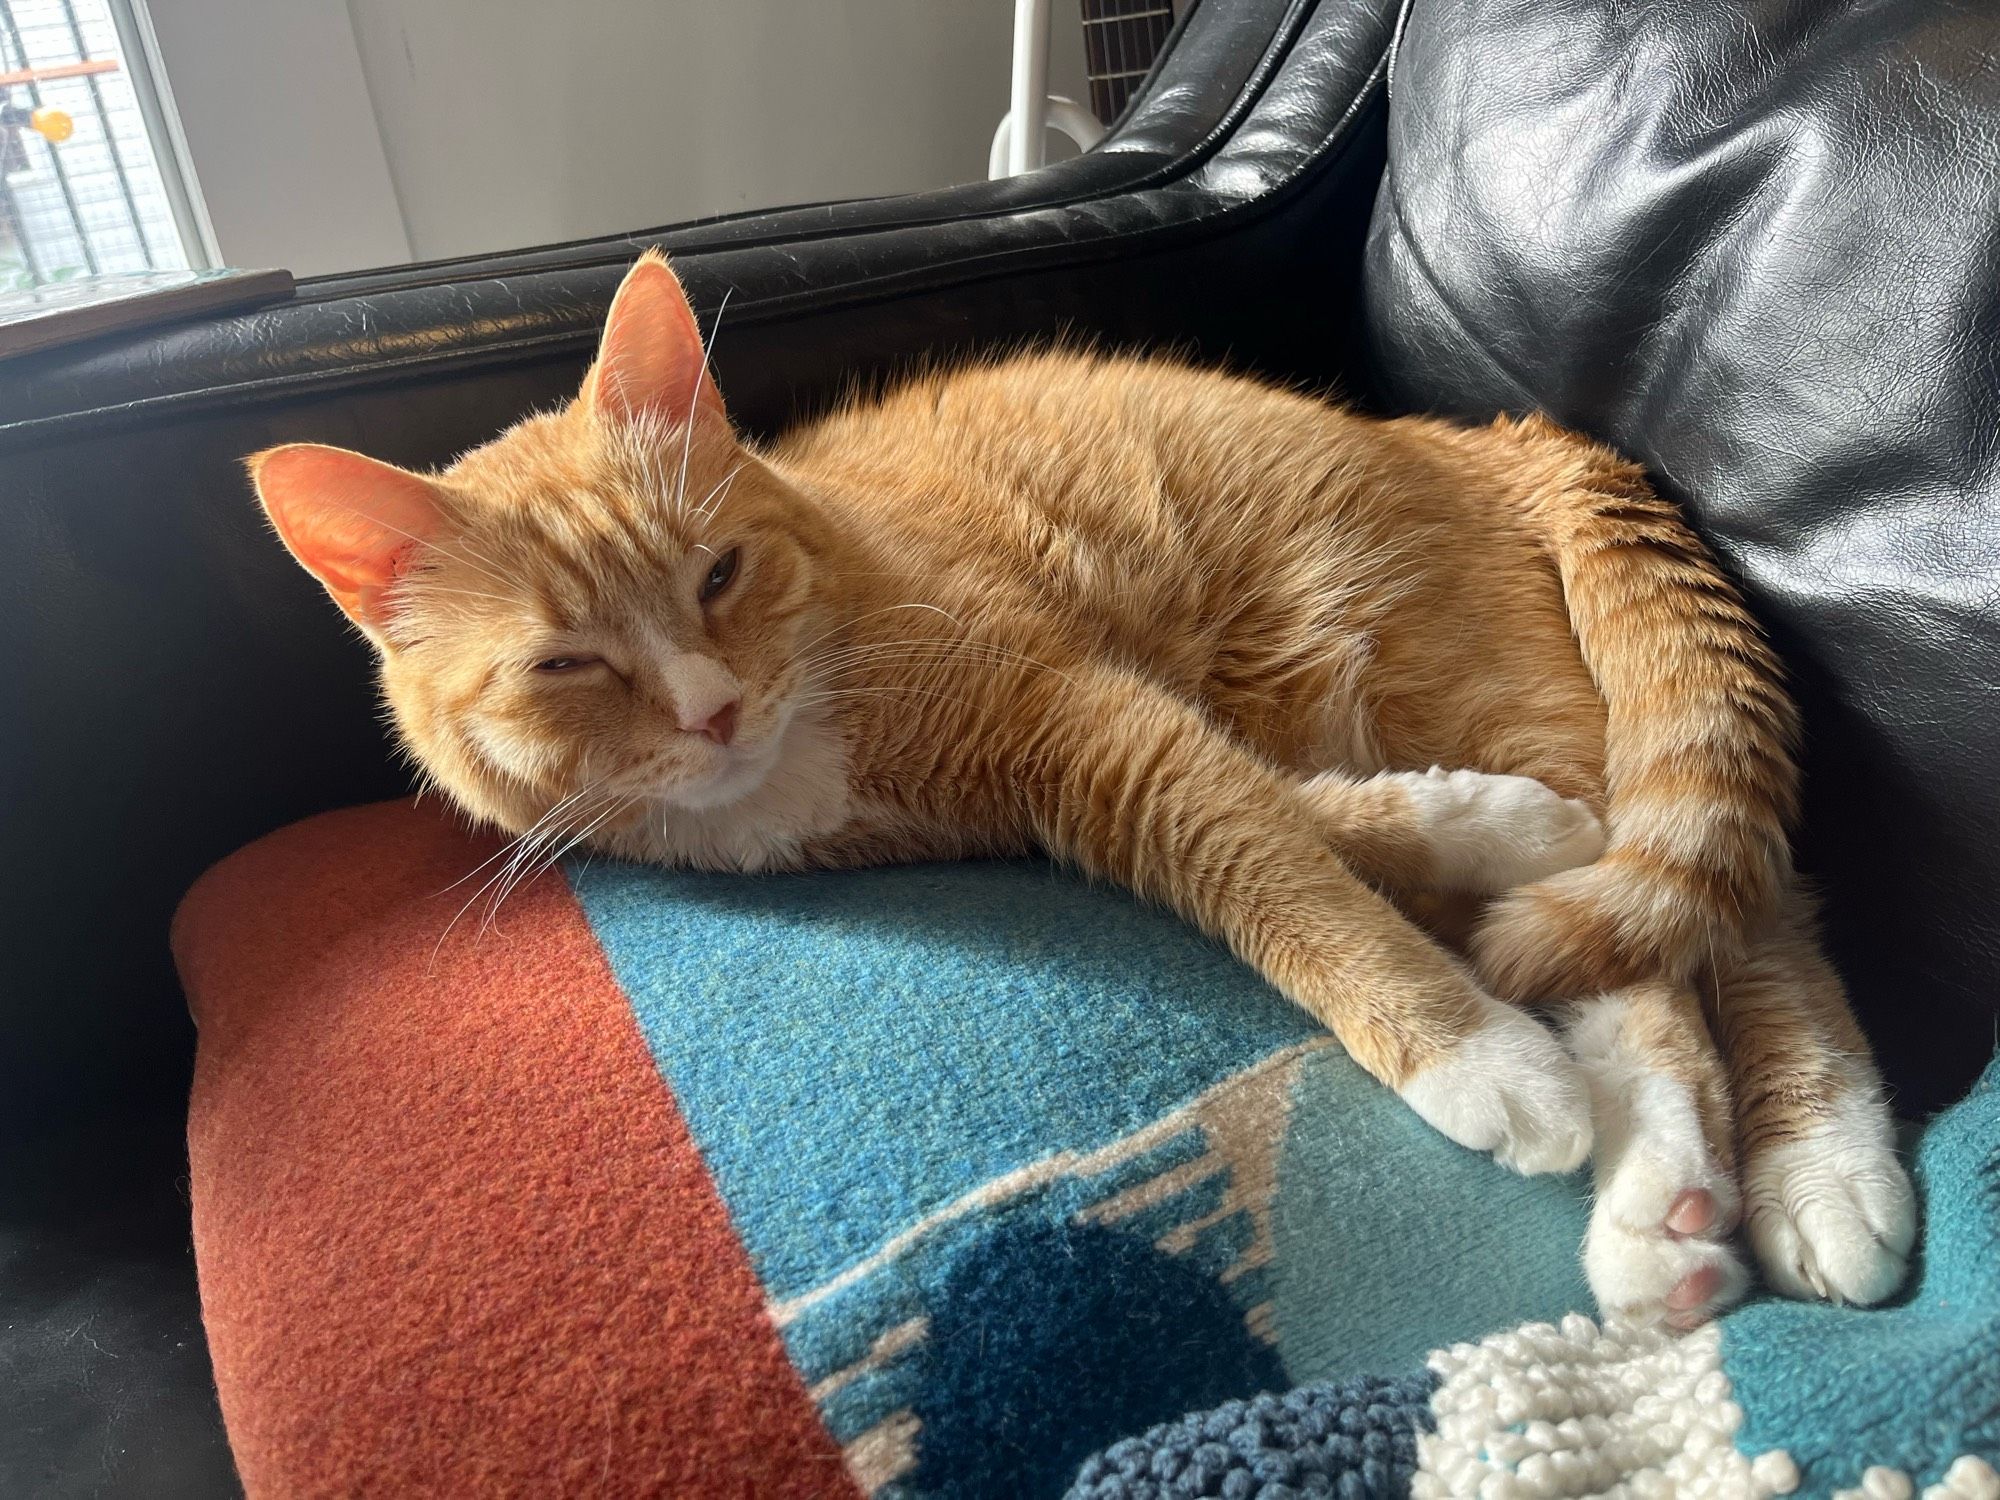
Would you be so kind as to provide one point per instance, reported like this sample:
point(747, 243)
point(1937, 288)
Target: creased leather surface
point(104, 1374)
point(1758, 245)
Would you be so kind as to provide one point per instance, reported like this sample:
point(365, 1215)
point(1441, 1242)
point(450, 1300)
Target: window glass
point(82, 190)
point(337, 135)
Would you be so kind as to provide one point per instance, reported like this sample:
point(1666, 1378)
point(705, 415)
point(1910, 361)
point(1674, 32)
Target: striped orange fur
point(1698, 748)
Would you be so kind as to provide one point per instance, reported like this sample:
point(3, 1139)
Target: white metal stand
point(1018, 145)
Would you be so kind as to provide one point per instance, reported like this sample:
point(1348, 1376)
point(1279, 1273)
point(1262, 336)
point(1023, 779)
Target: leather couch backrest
point(1758, 246)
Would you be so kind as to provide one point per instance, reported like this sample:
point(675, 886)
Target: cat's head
point(605, 604)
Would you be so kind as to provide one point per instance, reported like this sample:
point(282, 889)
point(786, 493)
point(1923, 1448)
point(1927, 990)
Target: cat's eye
point(557, 664)
point(719, 575)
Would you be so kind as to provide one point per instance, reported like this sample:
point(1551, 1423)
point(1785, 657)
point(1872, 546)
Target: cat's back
point(995, 402)
point(1061, 425)
point(1079, 430)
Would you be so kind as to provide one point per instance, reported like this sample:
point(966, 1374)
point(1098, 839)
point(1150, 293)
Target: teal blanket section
point(855, 1050)
point(1395, 1243)
point(1908, 1387)
point(1025, 1165)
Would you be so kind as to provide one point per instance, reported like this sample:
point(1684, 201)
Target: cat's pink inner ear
point(353, 522)
point(652, 360)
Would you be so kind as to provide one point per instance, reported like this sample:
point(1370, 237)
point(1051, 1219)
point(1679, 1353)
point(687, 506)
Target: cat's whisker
point(429, 542)
point(854, 620)
point(883, 693)
point(886, 651)
point(470, 902)
point(918, 667)
point(505, 851)
point(516, 852)
point(922, 652)
point(614, 810)
point(529, 832)
point(507, 878)
point(694, 398)
point(705, 511)
point(521, 853)
point(540, 865)
point(948, 647)
point(874, 649)
point(550, 825)
point(431, 590)
point(914, 669)
point(484, 562)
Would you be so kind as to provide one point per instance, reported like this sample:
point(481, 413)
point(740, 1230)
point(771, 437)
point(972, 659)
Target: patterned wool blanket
point(931, 1181)
point(1778, 1398)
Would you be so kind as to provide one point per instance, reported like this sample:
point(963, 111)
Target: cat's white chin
point(738, 771)
point(760, 806)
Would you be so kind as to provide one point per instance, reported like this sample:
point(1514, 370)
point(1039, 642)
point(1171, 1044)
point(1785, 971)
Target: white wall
point(337, 134)
point(286, 152)
point(515, 122)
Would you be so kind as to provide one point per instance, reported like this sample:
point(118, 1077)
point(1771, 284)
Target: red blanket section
point(454, 1238)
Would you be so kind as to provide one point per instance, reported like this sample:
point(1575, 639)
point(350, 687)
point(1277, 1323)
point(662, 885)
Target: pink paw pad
point(1668, 1261)
point(1688, 1303)
point(1694, 1212)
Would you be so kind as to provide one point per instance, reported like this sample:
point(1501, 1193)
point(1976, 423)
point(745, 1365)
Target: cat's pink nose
point(719, 726)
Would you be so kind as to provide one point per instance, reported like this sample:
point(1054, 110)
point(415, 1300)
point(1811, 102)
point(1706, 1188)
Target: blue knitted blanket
point(1778, 1398)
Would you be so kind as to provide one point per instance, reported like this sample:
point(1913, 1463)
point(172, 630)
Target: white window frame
point(141, 61)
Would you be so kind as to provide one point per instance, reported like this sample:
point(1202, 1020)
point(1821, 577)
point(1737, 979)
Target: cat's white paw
point(1488, 834)
point(1831, 1213)
point(1508, 1088)
point(1657, 1250)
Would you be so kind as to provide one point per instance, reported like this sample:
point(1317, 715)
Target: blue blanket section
point(1394, 1242)
point(1908, 1387)
point(1354, 1441)
point(1026, 1166)
point(855, 1050)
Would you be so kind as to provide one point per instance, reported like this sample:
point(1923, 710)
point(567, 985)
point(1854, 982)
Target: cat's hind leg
point(1658, 1249)
point(1459, 831)
point(1829, 1207)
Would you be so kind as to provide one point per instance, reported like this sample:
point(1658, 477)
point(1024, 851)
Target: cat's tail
point(1700, 733)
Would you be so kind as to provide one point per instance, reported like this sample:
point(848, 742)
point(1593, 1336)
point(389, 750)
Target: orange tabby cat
point(1204, 638)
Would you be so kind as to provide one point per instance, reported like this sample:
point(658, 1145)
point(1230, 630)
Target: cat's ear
point(652, 361)
point(353, 522)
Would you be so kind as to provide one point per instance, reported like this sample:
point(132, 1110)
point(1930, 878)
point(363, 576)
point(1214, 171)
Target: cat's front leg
point(1136, 785)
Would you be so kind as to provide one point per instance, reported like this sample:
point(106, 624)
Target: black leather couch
point(1754, 244)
